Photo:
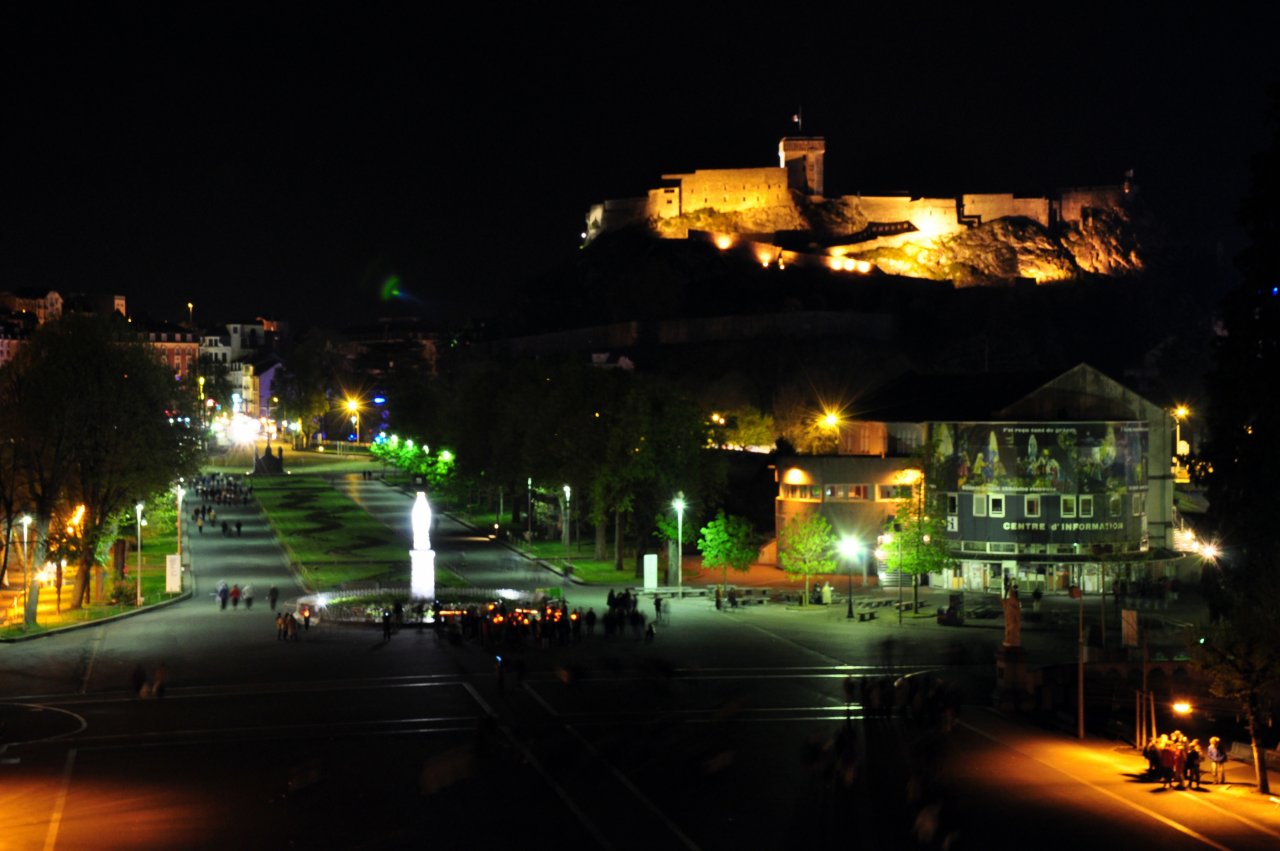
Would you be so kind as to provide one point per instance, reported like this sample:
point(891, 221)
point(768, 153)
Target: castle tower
point(802, 157)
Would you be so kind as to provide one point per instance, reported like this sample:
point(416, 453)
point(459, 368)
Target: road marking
point(51, 838)
point(1181, 828)
point(1208, 802)
point(93, 657)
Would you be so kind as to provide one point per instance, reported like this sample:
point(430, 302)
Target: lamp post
point(138, 509)
point(1078, 593)
point(528, 484)
point(26, 563)
point(678, 504)
point(179, 491)
point(850, 548)
point(568, 511)
point(353, 407)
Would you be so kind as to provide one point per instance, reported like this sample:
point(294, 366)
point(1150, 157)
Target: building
point(1067, 482)
point(176, 346)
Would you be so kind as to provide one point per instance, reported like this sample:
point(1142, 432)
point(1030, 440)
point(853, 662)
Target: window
point(953, 503)
point(815, 492)
point(1115, 505)
point(979, 505)
point(1031, 506)
point(1139, 504)
point(895, 491)
point(859, 491)
point(1069, 506)
point(997, 506)
point(835, 492)
point(1086, 506)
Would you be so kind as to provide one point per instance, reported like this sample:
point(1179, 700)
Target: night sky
point(287, 161)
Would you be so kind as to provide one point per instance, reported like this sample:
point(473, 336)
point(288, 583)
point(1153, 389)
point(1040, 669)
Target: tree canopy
point(806, 547)
point(729, 543)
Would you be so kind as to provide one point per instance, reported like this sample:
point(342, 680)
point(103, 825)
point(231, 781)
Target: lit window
point(1069, 506)
point(979, 505)
point(859, 491)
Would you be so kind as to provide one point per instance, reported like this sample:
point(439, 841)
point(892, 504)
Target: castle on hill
point(782, 214)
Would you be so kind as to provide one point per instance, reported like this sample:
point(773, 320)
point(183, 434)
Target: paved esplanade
point(483, 563)
point(713, 737)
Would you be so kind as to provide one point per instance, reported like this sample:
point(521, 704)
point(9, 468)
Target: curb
point(185, 595)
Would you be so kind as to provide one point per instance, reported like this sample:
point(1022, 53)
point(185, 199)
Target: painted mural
point(1093, 457)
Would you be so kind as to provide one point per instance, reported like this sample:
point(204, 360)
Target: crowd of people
point(543, 624)
point(1177, 761)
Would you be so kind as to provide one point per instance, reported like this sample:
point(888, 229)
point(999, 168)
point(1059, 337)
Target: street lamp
point(179, 491)
point(528, 484)
point(26, 563)
point(353, 407)
point(568, 530)
point(850, 547)
point(679, 504)
point(138, 509)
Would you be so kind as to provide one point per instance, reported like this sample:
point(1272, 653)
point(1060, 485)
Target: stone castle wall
point(724, 190)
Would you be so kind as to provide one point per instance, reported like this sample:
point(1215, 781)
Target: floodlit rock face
point(1102, 243)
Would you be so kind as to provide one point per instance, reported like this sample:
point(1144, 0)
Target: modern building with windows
point(1066, 482)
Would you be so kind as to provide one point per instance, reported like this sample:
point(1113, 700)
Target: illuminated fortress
point(782, 215)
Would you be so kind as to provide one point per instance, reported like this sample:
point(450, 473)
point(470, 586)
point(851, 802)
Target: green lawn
point(331, 539)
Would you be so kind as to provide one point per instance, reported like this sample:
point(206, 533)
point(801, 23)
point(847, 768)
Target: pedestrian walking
point(1218, 759)
point(200, 525)
point(247, 594)
point(306, 618)
point(223, 594)
point(235, 596)
point(291, 626)
point(1193, 764)
point(225, 530)
point(386, 624)
point(280, 628)
point(272, 596)
point(237, 528)
point(657, 607)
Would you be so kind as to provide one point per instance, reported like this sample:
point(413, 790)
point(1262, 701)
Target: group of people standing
point(1175, 760)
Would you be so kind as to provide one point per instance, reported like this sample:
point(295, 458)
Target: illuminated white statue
point(422, 581)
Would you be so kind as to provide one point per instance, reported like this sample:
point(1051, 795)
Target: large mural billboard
point(1078, 457)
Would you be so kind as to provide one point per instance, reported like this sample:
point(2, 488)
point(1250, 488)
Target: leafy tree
point(98, 428)
point(807, 546)
point(919, 530)
point(728, 543)
point(748, 426)
point(1244, 418)
point(1238, 654)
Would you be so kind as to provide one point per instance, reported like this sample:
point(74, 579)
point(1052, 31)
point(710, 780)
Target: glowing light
point(391, 288)
point(723, 241)
point(909, 477)
point(1181, 412)
point(850, 547)
point(243, 429)
point(796, 476)
point(1181, 707)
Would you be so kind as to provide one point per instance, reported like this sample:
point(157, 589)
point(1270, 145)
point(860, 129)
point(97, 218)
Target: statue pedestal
point(422, 578)
point(1015, 684)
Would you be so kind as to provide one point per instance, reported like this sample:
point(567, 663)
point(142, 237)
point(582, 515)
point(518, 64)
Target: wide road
point(731, 730)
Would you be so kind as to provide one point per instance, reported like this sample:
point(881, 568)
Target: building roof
point(916, 397)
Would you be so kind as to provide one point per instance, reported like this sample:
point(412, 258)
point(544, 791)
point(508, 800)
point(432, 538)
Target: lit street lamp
point(850, 547)
point(138, 509)
point(179, 491)
point(568, 531)
point(26, 562)
point(679, 504)
point(353, 407)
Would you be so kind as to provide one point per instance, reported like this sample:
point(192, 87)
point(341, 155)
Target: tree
point(728, 543)
point(1243, 419)
point(919, 532)
point(100, 426)
point(1238, 655)
point(807, 546)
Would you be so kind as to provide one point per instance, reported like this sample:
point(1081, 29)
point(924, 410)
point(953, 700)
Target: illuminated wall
point(724, 190)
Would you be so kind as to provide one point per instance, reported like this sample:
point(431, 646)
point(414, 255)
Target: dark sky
point(286, 159)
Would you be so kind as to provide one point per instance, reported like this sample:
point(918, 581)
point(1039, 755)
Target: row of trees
point(90, 422)
point(625, 443)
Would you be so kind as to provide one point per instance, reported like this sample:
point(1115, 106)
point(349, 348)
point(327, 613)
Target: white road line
point(1178, 826)
point(93, 657)
point(55, 821)
point(1208, 802)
